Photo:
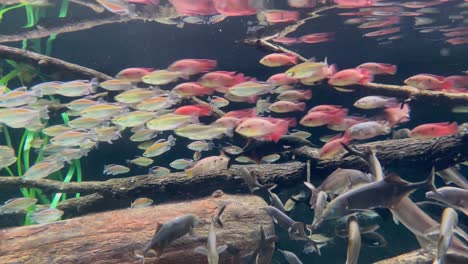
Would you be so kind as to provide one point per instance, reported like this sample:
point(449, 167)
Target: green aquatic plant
point(4, 10)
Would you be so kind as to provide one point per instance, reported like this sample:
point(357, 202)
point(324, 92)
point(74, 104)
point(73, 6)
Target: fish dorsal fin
point(310, 186)
point(394, 178)
point(201, 250)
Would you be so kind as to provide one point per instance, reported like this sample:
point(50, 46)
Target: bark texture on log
point(48, 63)
point(441, 152)
point(112, 237)
point(413, 257)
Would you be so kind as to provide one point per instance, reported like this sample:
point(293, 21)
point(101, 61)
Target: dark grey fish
point(380, 194)
point(217, 216)
point(452, 196)
point(373, 239)
point(340, 181)
point(168, 232)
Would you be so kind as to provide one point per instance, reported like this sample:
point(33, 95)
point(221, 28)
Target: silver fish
point(452, 196)
point(447, 225)
point(354, 241)
point(290, 257)
point(211, 251)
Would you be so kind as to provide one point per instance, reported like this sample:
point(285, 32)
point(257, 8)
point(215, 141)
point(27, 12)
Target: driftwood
point(416, 153)
point(112, 237)
point(409, 152)
point(413, 257)
point(49, 63)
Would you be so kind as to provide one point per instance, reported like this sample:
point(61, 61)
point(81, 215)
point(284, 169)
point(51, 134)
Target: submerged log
point(413, 257)
point(112, 237)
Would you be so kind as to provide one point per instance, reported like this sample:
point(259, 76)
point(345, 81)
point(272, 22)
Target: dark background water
point(111, 48)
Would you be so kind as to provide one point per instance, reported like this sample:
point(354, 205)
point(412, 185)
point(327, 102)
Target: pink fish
point(435, 130)
point(145, 2)
point(426, 81)
point(192, 66)
point(325, 108)
point(378, 68)
point(243, 113)
point(458, 82)
point(286, 40)
point(191, 8)
point(279, 59)
point(350, 77)
point(281, 16)
point(235, 7)
point(262, 128)
point(191, 89)
point(302, 3)
point(194, 110)
point(458, 41)
point(320, 118)
point(355, 3)
point(133, 74)
point(347, 122)
point(383, 32)
point(295, 95)
point(281, 79)
point(332, 147)
point(317, 37)
point(228, 122)
point(222, 80)
point(286, 107)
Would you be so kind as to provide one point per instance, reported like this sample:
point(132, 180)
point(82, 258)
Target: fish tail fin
point(293, 58)
point(221, 248)
point(452, 128)
point(332, 69)
point(280, 130)
point(307, 94)
point(301, 106)
point(392, 69)
point(447, 85)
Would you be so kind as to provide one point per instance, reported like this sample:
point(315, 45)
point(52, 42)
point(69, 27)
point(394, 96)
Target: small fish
point(372, 102)
point(43, 169)
point(428, 82)
point(211, 251)
point(245, 159)
point(452, 196)
point(286, 107)
point(319, 207)
point(251, 88)
point(194, 110)
point(350, 77)
point(133, 75)
point(115, 169)
point(295, 95)
point(141, 161)
point(46, 216)
point(116, 85)
point(233, 150)
point(278, 59)
point(133, 119)
point(218, 102)
point(271, 158)
point(17, 204)
point(161, 77)
point(320, 118)
point(453, 175)
point(85, 123)
point(305, 69)
point(181, 164)
point(159, 171)
point(141, 202)
point(73, 138)
point(354, 240)
point(367, 130)
point(281, 79)
point(188, 89)
point(159, 147)
point(192, 66)
point(268, 129)
point(290, 257)
point(378, 68)
point(201, 132)
point(102, 111)
point(143, 135)
point(77, 88)
point(170, 122)
point(434, 130)
point(301, 134)
point(208, 164)
point(157, 103)
point(169, 232)
point(275, 200)
point(134, 96)
point(293, 200)
point(200, 146)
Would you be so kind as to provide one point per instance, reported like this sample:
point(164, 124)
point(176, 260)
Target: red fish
point(320, 118)
point(192, 66)
point(278, 59)
point(397, 114)
point(458, 83)
point(350, 77)
point(317, 37)
point(222, 80)
point(133, 74)
point(435, 130)
point(243, 113)
point(281, 79)
point(235, 7)
point(379, 68)
point(325, 108)
point(332, 147)
point(281, 16)
point(191, 89)
point(355, 3)
point(190, 7)
point(194, 110)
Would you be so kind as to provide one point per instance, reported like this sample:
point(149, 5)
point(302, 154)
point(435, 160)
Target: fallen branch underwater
point(440, 152)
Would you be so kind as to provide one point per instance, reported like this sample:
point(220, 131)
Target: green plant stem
point(30, 16)
point(7, 137)
point(79, 176)
point(5, 79)
point(63, 13)
point(68, 178)
point(27, 148)
point(3, 11)
point(20, 154)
